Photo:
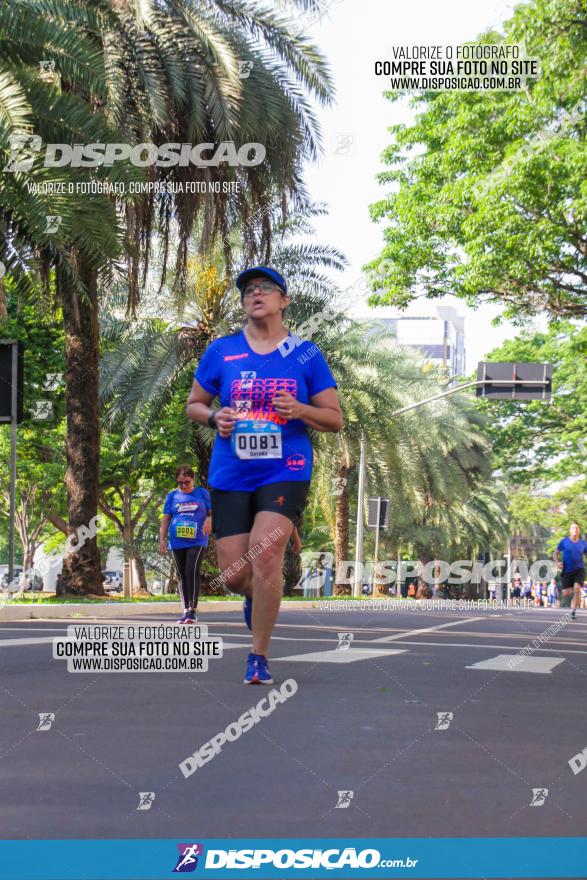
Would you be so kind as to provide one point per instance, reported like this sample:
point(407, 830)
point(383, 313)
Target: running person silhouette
point(187, 518)
point(573, 550)
point(272, 387)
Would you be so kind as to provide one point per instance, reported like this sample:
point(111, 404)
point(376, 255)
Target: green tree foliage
point(40, 492)
point(540, 520)
point(136, 74)
point(488, 190)
point(542, 442)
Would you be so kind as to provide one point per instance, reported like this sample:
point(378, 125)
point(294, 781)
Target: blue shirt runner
point(572, 553)
point(264, 447)
point(188, 510)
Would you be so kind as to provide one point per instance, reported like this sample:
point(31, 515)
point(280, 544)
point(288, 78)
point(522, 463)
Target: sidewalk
point(44, 611)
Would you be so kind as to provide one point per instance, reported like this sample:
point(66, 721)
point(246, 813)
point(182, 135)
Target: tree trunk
point(140, 578)
point(341, 535)
point(81, 569)
point(210, 571)
point(171, 585)
point(207, 576)
point(28, 555)
point(292, 570)
point(203, 455)
point(423, 591)
point(127, 530)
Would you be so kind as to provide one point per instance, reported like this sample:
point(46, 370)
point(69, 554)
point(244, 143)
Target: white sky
point(353, 35)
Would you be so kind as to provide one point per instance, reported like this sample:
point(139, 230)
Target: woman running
point(272, 387)
point(187, 518)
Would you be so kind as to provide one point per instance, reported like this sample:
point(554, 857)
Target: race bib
point(254, 438)
point(185, 530)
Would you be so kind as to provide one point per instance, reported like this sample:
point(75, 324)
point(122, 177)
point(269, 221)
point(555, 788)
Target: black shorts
point(570, 578)
point(233, 513)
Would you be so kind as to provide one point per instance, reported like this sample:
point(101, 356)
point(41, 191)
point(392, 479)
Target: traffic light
point(514, 381)
point(9, 376)
point(372, 513)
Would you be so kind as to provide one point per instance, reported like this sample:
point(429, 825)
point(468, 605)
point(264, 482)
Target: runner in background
point(552, 592)
point(527, 592)
point(573, 550)
point(272, 387)
point(187, 519)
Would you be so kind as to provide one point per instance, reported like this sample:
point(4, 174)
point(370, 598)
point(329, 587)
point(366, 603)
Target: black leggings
point(187, 563)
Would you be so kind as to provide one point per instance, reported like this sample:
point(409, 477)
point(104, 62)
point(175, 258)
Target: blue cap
point(265, 271)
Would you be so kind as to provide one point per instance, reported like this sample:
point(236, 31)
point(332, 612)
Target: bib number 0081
point(257, 440)
point(254, 442)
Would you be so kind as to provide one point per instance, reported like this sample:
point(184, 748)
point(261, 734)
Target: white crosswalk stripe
point(518, 663)
point(351, 655)
point(426, 629)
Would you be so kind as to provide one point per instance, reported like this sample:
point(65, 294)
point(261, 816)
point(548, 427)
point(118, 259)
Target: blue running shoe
point(191, 616)
point(248, 611)
point(257, 670)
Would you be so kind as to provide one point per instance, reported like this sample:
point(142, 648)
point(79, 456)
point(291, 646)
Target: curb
point(116, 610)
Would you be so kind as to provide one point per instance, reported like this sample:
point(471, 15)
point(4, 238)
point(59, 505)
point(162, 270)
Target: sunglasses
point(185, 482)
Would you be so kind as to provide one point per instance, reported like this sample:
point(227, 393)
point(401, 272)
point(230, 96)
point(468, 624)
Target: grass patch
point(52, 599)
point(118, 599)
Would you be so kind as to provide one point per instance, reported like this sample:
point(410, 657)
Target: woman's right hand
point(162, 547)
point(225, 419)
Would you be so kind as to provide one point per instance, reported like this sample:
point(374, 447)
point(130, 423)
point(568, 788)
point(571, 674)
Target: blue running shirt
point(188, 510)
point(572, 553)
point(264, 447)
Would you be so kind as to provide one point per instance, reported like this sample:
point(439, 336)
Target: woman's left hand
point(207, 527)
point(287, 406)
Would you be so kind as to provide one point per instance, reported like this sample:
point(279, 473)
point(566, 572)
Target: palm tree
point(149, 358)
point(147, 354)
point(464, 529)
point(45, 266)
point(171, 76)
point(429, 453)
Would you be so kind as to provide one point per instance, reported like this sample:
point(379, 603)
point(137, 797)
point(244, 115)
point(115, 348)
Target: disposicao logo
point(247, 720)
point(187, 860)
point(290, 858)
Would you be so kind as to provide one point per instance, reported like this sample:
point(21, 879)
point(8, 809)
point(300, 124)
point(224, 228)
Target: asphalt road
point(363, 720)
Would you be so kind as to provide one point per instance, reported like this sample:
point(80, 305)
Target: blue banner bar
point(307, 859)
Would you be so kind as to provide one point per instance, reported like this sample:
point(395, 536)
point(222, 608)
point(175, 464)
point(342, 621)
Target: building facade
point(438, 337)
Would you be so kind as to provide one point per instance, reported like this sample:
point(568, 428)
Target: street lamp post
point(13, 423)
point(374, 576)
point(358, 571)
point(501, 381)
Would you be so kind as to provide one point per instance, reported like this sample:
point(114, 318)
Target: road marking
point(325, 641)
point(514, 648)
point(515, 663)
point(558, 639)
point(40, 640)
point(427, 629)
point(350, 655)
point(21, 629)
point(47, 640)
point(523, 637)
